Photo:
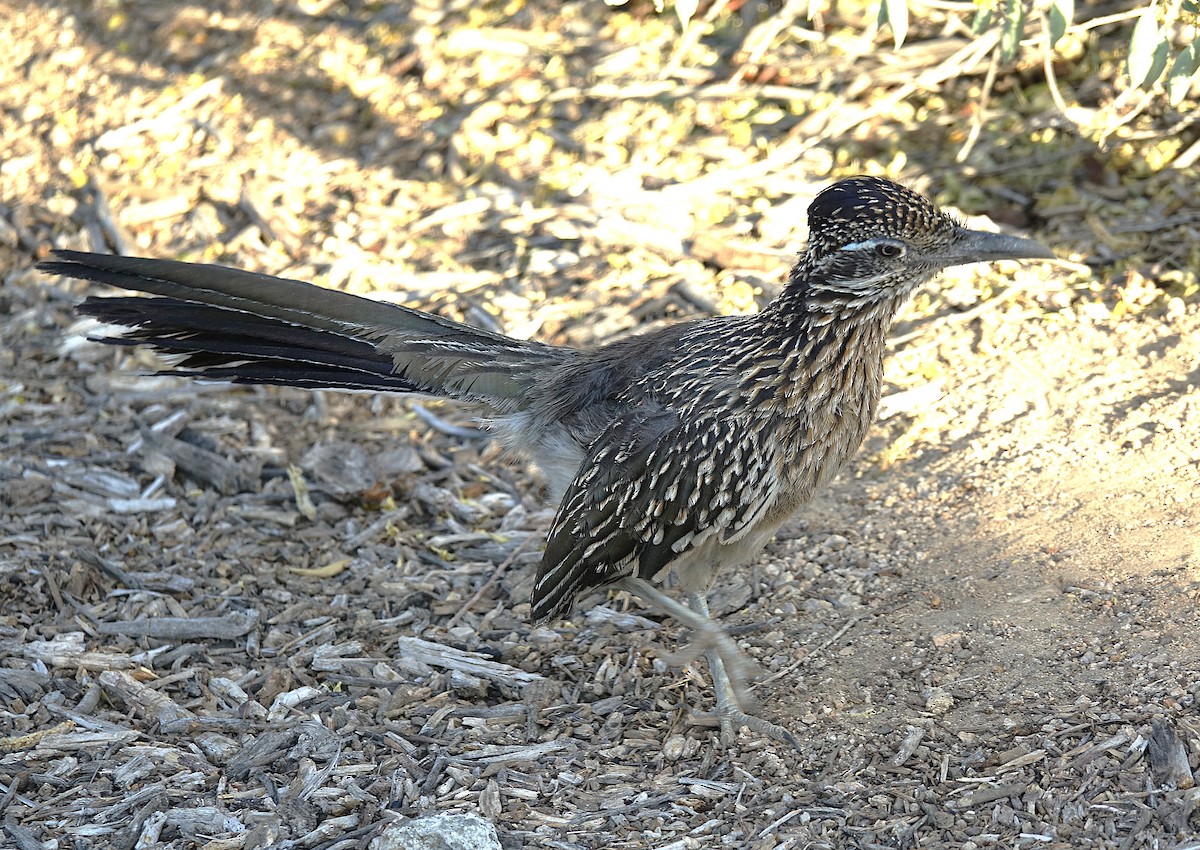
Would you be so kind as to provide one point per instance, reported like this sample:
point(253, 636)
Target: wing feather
point(653, 488)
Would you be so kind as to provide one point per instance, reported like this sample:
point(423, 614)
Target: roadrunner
point(679, 450)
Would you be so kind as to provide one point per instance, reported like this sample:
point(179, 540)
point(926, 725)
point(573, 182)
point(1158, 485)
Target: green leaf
point(1012, 27)
point(895, 12)
point(1147, 51)
point(1179, 81)
point(983, 19)
point(1062, 13)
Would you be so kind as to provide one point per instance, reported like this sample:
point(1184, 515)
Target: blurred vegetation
point(1161, 40)
point(551, 148)
point(1019, 94)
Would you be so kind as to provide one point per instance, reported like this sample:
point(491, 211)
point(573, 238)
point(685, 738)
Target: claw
point(730, 668)
point(733, 716)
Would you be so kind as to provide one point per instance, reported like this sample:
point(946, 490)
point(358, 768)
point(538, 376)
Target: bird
point(677, 451)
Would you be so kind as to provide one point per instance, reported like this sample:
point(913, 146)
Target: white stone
point(441, 832)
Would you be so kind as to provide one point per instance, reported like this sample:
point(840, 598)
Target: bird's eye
point(888, 250)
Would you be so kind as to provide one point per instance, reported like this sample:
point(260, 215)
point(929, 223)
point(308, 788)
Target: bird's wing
point(653, 487)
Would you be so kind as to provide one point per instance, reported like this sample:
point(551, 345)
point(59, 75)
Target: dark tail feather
point(226, 345)
point(254, 328)
point(291, 301)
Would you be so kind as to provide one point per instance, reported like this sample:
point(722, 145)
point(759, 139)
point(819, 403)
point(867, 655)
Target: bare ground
point(984, 633)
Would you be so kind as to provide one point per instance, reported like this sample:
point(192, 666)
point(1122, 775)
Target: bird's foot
point(730, 668)
point(732, 704)
point(731, 709)
point(733, 718)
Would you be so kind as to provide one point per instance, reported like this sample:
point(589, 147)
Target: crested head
point(858, 209)
point(872, 241)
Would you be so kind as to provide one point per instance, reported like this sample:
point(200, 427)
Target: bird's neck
point(812, 316)
point(806, 302)
point(828, 348)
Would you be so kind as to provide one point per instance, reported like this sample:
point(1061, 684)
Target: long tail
point(239, 326)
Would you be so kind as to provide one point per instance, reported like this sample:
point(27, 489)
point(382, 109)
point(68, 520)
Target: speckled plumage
point(681, 449)
point(717, 430)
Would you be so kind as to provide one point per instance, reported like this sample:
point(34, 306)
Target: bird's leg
point(729, 665)
point(711, 636)
point(732, 704)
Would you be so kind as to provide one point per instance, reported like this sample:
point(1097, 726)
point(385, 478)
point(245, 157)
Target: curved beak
point(980, 246)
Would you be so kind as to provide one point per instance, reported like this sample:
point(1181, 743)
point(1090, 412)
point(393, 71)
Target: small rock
point(673, 747)
point(938, 701)
point(946, 639)
point(343, 469)
point(441, 832)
